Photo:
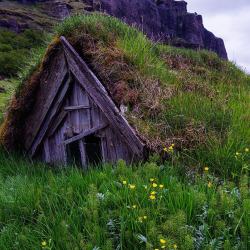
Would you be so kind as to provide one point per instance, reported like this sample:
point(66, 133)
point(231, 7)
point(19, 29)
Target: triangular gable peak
point(81, 122)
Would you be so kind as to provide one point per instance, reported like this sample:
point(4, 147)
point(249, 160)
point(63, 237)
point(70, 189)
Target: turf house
point(73, 119)
point(102, 91)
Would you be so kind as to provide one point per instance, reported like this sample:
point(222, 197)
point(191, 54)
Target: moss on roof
point(190, 98)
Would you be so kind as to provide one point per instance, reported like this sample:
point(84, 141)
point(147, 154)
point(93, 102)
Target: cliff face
point(164, 20)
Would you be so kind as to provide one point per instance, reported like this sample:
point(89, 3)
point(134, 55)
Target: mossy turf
point(192, 99)
point(8, 88)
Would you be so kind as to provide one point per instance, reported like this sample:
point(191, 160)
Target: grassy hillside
point(25, 16)
point(16, 50)
point(191, 195)
point(7, 87)
point(191, 99)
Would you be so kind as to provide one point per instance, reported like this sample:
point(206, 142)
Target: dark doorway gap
point(93, 149)
point(74, 154)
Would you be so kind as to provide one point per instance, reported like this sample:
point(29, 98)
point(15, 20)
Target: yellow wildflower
point(152, 197)
point(246, 149)
point(175, 246)
point(151, 179)
point(44, 243)
point(124, 182)
point(153, 193)
point(206, 169)
point(145, 217)
point(163, 246)
point(134, 206)
point(209, 184)
point(131, 186)
point(161, 186)
point(162, 241)
point(165, 149)
point(154, 185)
point(237, 153)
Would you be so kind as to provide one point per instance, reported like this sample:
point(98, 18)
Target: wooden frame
point(84, 134)
point(98, 93)
point(50, 115)
point(113, 126)
point(72, 108)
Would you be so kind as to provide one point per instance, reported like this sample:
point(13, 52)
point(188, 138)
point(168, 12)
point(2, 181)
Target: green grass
point(16, 50)
point(70, 209)
point(190, 98)
point(193, 99)
point(8, 86)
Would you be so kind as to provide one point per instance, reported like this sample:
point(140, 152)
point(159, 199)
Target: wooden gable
point(80, 120)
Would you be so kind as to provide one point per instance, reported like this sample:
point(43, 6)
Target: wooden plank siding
point(98, 93)
point(72, 108)
point(93, 122)
point(49, 117)
point(81, 114)
point(50, 84)
point(85, 133)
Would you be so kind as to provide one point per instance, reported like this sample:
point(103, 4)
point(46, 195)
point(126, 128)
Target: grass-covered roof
point(190, 98)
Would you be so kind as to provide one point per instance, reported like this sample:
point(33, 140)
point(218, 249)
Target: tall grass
point(141, 207)
point(114, 208)
point(205, 110)
point(14, 49)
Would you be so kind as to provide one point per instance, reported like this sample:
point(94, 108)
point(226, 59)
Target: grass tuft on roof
point(190, 98)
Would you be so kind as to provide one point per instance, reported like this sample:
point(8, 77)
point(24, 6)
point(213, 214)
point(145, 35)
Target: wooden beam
point(50, 84)
point(97, 92)
point(85, 133)
point(83, 155)
point(46, 151)
point(57, 121)
point(72, 108)
point(50, 116)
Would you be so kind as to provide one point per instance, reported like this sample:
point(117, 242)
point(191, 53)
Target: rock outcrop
point(165, 20)
point(162, 20)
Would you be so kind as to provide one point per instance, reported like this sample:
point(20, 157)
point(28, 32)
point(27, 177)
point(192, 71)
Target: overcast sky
point(230, 20)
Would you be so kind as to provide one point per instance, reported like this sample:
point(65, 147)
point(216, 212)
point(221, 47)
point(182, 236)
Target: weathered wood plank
point(119, 147)
point(50, 83)
point(85, 133)
point(95, 114)
point(71, 108)
point(105, 157)
point(53, 110)
point(110, 145)
point(56, 123)
point(64, 150)
point(57, 149)
point(98, 93)
point(83, 155)
point(46, 151)
point(75, 119)
point(85, 118)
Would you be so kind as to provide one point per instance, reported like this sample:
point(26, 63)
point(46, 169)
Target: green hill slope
point(193, 100)
point(179, 198)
